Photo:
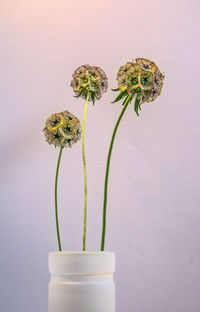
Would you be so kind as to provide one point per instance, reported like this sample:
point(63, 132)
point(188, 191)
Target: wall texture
point(153, 217)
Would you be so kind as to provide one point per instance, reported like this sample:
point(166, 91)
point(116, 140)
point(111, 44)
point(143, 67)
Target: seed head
point(89, 79)
point(62, 129)
point(142, 78)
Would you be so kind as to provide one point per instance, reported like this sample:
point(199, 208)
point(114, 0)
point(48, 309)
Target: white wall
point(153, 217)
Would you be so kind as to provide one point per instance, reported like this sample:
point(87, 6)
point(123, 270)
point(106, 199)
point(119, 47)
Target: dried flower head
point(142, 79)
point(62, 129)
point(89, 79)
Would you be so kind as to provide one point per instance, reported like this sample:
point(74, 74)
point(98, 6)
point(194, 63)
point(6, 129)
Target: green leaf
point(126, 100)
point(137, 105)
point(80, 93)
point(115, 89)
point(93, 97)
point(120, 96)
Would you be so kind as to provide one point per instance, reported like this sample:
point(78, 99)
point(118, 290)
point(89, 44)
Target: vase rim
point(81, 262)
point(81, 252)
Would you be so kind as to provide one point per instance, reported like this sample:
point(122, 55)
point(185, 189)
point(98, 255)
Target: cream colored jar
point(82, 281)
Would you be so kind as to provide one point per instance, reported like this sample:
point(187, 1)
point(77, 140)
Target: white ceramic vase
point(82, 281)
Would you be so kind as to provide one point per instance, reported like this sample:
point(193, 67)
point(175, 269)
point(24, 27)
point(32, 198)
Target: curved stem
point(85, 175)
point(107, 172)
point(56, 199)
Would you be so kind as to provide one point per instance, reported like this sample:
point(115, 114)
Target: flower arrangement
point(140, 81)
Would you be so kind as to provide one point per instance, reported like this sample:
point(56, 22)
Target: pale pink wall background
point(154, 216)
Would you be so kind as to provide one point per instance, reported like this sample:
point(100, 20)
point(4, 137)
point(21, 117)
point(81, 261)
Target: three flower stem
point(56, 199)
point(126, 102)
point(85, 174)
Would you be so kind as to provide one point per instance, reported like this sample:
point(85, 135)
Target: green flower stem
point(85, 174)
point(107, 172)
point(56, 198)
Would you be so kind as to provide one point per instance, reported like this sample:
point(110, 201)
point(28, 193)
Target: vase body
point(81, 281)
